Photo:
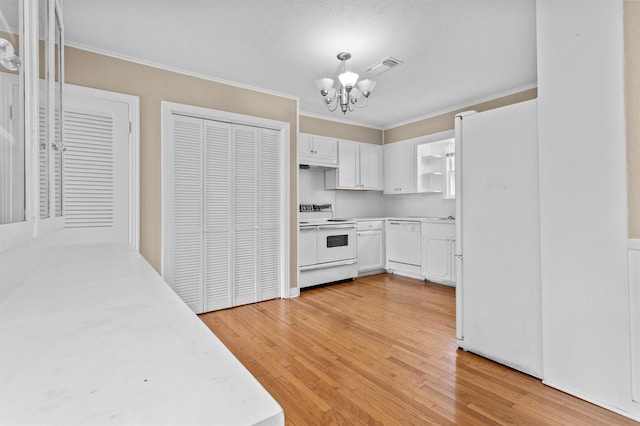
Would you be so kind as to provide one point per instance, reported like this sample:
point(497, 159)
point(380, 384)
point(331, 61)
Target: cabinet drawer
point(367, 225)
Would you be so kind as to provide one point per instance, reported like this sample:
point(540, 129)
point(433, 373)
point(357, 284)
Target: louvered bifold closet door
point(57, 164)
point(245, 205)
point(269, 214)
point(185, 231)
point(217, 202)
point(89, 177)
point(43, 163)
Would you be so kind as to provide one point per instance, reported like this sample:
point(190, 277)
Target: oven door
point(308, 246)
point(336, 242)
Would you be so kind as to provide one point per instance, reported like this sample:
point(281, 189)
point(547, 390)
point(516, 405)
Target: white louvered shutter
point(245, 204)
point(57, 164)
point(96, 172)
point(43, 163)
point(217, 194)
point(269, 214)
point(89, 172)
point(185, 216)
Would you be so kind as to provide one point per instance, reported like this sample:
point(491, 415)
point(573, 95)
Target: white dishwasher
point(404, 248)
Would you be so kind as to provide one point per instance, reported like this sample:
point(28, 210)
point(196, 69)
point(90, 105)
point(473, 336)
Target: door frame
point(169, 108)
point(133, 103)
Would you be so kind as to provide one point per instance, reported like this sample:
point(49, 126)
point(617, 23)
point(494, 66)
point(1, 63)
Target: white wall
point(583, 214)
point(346, 203)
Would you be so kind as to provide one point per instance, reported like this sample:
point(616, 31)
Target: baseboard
point(294, 292)
point(594, 401)
point(634, 312)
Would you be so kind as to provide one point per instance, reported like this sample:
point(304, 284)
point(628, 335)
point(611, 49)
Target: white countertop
point(94, 336)
point(424, 219)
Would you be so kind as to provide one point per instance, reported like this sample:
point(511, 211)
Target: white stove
point(326, 247)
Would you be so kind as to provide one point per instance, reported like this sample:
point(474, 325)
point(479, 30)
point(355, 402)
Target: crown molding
point(176, 70)
point(467, 104)
point(324, 117)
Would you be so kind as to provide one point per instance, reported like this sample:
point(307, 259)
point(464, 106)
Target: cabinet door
point(348, 165)
point(305, 146)
point(390, 169)
point(325, 147)
point(399, 168)
point(370, 172)
point(437, 258)
point(370, 251)
point(406, 168)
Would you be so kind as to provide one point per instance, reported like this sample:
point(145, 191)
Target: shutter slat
point(89, 170)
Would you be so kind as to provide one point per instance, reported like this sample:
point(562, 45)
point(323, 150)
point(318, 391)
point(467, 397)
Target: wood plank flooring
point(382, 350)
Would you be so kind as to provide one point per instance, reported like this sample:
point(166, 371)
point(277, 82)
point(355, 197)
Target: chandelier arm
point(366, 101)
point(335, 106)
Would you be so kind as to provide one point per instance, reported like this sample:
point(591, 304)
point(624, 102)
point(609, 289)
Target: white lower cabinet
point(438, 251)
point(370, 246)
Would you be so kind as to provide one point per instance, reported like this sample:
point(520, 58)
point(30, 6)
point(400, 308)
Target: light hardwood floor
point(382, 350)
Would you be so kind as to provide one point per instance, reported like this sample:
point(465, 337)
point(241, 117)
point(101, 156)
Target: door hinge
point(130, 126)
point(10, 112)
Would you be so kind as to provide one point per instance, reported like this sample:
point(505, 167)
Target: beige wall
point(632, 106)
point(154, 85)
point(443, 122)
point(334, 129)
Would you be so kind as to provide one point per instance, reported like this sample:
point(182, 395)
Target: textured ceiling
point(455, 51)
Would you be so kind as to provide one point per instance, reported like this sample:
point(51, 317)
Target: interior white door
point(218, 218)
point(96, 172)
point(269, 225)
point(184, 185)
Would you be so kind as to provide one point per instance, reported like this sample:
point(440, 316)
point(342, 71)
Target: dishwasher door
point(403, 243)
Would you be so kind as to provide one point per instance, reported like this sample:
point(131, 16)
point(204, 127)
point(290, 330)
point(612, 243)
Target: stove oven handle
point(348, 226)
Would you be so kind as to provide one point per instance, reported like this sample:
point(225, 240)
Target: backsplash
point(424, 205)
point(360, 204)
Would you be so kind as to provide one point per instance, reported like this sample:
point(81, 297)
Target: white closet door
point(43, 162)
point(96, 168)
point(217, 202)
point(185, 215)
point(269, 214)
point(245, 204)
point(57, 164)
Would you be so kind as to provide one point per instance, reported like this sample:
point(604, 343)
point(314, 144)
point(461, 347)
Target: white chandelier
point(347, 96)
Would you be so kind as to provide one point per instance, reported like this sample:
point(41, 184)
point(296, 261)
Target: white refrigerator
point(498, 236)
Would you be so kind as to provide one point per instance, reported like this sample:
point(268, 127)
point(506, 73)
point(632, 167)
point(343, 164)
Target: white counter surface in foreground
point(94, 336)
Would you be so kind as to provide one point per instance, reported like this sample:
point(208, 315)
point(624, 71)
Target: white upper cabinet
point(359, 167)
point(400, 168)
point(317, 150)
point(371, 166)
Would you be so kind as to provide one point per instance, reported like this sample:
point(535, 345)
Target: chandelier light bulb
point(8, 58)
point(348, 79)
point(6, 49)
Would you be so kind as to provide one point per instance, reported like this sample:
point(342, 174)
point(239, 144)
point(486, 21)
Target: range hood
point(305, 166)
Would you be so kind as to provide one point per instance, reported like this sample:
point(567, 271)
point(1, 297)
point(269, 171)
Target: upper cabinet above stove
point(317, 151)
point(359, 167)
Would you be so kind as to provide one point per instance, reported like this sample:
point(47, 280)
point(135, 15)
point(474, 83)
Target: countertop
point(423, 219)
point(95, 336)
